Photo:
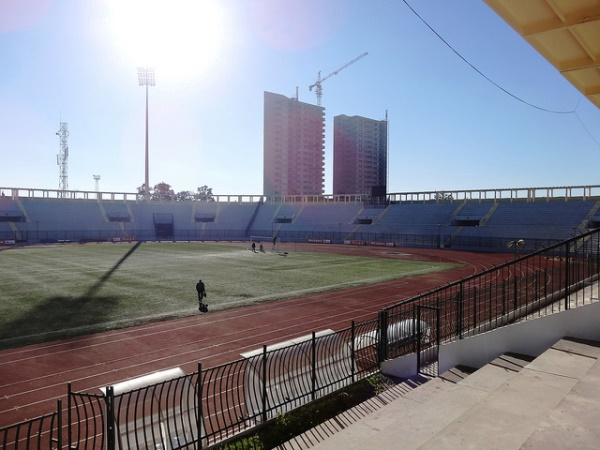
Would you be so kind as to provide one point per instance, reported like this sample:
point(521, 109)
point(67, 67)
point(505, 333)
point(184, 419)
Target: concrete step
point(573, 423)
point(417, 416)
point(524, 408)
point(344, 420)
point(513, 402)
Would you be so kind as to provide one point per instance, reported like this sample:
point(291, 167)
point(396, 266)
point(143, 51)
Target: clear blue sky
point(76, 61)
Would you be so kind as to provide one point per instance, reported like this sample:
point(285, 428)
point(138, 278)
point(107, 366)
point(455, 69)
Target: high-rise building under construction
point(360, 152)
point(294, 147)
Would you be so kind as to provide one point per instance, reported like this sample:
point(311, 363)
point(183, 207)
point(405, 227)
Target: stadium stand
point(412, 218)
point(472, 220)
point(549, 220)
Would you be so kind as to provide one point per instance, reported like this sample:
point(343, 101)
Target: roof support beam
point(583, 17)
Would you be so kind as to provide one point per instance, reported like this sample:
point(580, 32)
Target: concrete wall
point(531, 338)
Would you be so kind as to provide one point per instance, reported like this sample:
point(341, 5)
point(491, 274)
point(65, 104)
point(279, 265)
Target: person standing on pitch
point(201, 289)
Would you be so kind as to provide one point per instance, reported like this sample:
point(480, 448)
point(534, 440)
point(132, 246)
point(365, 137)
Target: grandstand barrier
point(215, 404)
point(528, 194)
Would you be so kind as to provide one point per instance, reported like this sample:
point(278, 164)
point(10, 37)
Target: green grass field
point(51, 292)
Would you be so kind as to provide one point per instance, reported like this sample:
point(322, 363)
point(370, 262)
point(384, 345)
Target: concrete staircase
point(514, 402)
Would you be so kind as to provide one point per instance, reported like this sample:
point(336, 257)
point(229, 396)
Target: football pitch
point(58, 291)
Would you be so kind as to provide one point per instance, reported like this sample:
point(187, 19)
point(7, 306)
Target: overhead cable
point(479, 71)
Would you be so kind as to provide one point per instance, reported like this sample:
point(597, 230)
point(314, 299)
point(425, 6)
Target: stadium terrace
point(474, 220)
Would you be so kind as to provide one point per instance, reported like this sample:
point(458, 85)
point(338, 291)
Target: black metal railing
point(543, 282)
point(204, 408)
point(195, 410)
point(43, 432)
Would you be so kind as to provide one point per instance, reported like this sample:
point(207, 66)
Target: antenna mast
point(62, 159)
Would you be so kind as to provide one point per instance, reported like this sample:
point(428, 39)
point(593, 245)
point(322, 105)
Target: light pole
point(515, 244)
point(146, 78)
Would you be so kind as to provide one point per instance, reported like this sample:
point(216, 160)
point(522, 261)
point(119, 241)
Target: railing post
point(474, 308)
point(597, 265)
point(459, 311)
point(59, 425)
point(515, 289)
point(69, 421)
point(109, 399)
point(492, 299)
point(417, 341)
point(567, 275)
point(353, 352)
point(503, 298)
point(415, 318)
point(314, 367)
point(527, 278)
point(264, 384)
point(382, 344)
point(200, 415)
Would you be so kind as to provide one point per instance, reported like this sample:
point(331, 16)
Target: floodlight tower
point(96, 179)
point(62, 159)
point(146, 78)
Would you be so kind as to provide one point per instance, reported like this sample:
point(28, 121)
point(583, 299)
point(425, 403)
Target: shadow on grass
point(61, 317)
point(104, 278)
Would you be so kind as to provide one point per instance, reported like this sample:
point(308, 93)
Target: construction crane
point(317, 84)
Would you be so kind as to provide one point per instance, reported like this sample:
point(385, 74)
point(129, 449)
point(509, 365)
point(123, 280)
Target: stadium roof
point(565, 32)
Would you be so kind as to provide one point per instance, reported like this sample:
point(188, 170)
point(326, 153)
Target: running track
point(33, 377)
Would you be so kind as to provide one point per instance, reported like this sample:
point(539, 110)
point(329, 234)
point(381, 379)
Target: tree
point(163, 191)
point(141, 192)
point(184, 196)
point(443, 196)
point(205, 194)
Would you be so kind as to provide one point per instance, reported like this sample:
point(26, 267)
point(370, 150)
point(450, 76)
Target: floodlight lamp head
point(146, 76)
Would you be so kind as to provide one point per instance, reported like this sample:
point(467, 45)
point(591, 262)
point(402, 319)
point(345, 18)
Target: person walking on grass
point(201, 289)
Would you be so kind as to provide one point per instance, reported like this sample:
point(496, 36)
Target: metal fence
point(540, 283)
point(44, 432)
point(175, 410)
point(468, 243)
point(196, 410)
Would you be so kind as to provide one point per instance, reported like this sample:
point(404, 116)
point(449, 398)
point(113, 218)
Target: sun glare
point(180, 39)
